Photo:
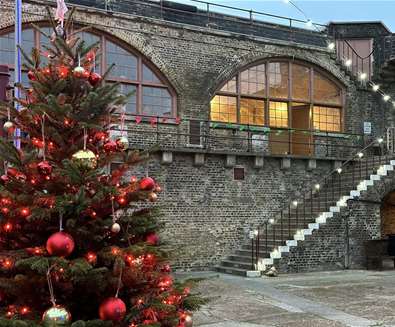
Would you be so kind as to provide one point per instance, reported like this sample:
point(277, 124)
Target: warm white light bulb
point(363, 76)
point(295, 203)
point(380, 140)
point(386, 97)
point(360, 154)
point(339, 170)
point(271, 221)
point(317, 186)
point(375, 87)
point(331, 45)
point(348, 62)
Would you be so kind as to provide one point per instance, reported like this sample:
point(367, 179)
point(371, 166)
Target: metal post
point(281, 223)
point(252, 253)
point(208, 14)
point(17, 71)
point(289, 221)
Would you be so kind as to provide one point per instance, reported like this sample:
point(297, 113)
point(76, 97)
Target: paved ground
point(329, 299)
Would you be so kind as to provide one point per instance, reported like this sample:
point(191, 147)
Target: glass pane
point(325, 91)
point(7, 48)
point(300, 82)
point(27, 43)
point(149, 75)
point(252, 111)
point(156, 101)
point(131, 101)
point(223, 108)
point(278, 114)
point(327, 119)
point(278, 79)
point(252, 81)
point(125, 63)
point(230, 86)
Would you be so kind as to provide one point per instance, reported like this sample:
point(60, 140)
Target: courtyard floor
point(341, 298)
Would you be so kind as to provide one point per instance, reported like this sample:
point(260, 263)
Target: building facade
point(249, 117)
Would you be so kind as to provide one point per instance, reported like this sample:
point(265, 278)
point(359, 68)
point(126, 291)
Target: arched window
point(283, 94)
point(153, 94)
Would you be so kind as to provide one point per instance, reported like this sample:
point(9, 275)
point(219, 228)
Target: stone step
point(231, 270)
point(237, 264)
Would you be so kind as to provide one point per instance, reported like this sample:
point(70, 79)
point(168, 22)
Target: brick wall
point(207, 213)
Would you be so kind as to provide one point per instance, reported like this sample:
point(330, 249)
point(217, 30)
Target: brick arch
point(240, 63)
point(128, 40)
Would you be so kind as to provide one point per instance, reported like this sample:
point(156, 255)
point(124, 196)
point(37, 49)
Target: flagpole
point(17, 70)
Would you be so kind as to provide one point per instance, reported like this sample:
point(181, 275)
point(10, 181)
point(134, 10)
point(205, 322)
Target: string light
point(363, 76)
point(386, 97)
point(8, 227)
point(375, 87)
point(380, 140)
point(360, 154)
point(295, 203)
point(339, 170)
point(348, 63)
point(317, 186)
point(91, 257)
point(271, 221)
point(331, 45)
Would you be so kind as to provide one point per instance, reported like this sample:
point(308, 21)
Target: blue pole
point(17, 71)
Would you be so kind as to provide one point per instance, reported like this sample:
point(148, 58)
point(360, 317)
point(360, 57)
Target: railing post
point(161, 9)
point(281, 223)
point(208, 14)
point(266, 224)
point(252, 253)
point(289, 221)
point(258, 241)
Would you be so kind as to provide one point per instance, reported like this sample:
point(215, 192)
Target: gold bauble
point(123, 143)
point(57, 316)
point(85, 159)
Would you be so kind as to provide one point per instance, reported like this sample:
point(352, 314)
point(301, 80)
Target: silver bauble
point(116, 228)
point(57, 316)
point(9, 126)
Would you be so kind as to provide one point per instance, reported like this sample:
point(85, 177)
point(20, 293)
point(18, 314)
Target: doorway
point(301, 139)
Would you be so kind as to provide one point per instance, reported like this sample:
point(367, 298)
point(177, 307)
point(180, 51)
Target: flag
point(61, 9)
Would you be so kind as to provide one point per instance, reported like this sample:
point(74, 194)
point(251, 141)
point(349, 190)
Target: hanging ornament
point(158, 188)
point(57, 316)
point(9, 127)
point(113, 309)
point(94, 79)
point(100, 136)
point(31, 75)
point(152, 239)
point(123, 143)
point(147, 184)
point(116, 228)
point(4, 179)
point(186, 320)
point(153, 197)
point(85, 159)
point(60, 244)
point(78, 72)
point(44, 168)
point(86, 74)
point(110, 146)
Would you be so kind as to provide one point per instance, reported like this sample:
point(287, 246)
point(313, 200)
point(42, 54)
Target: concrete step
point(237, 264)
point(231, 270)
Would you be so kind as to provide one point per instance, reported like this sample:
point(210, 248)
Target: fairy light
point(115, 250)
point(339, 170)
point(375, 87)
point(7, 263)
point(317, 186)
point(5, 210)
point(360, 154)
point(8, 227)
point(331, 45)
point(24, 310)
point(386, 97)
point(271, 221)
point(295, 203)
point(348, 63)
point(363, 76)
point(91, 257)
point(25, 212)
point(380, 140)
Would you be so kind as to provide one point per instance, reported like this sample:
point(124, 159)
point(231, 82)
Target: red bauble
point(44, 168)
point(110, 146)
point(60, 244)
point(31, 76)
point(94, 79)
point(113, 309)
point(147, 184)
point(86, 74)
point(4, 179)
point(152, 239)
point(100, 136)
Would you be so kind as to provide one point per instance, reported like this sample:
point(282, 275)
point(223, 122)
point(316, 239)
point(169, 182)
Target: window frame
point(313, 69)
point(141, 60)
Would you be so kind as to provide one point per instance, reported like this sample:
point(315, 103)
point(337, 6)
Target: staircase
point(301, 218)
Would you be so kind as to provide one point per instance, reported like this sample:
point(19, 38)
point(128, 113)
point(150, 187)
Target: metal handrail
point(332, 179)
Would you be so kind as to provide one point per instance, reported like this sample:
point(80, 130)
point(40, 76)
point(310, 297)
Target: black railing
point(193, 134)
point(321, 196)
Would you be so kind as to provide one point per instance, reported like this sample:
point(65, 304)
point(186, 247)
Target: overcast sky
point(320, 11)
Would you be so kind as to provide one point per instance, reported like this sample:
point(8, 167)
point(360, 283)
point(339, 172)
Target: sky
point(319, 11)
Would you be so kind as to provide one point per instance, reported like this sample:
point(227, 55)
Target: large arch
point(154, 95)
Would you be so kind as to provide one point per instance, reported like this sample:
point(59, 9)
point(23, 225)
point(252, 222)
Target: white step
point(267, 261)
point(283, 249)
point(355, 193)
point(291, 243)
point(392, 162)
point(334, 209)
point(307, 231)
point(314, 226)
point(375, 177)
point(275, 254)
point(389, 167)
point(320, 220)
point(299, 237)
point(328, 214)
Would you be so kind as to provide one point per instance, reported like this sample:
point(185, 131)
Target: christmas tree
point(79, 244)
